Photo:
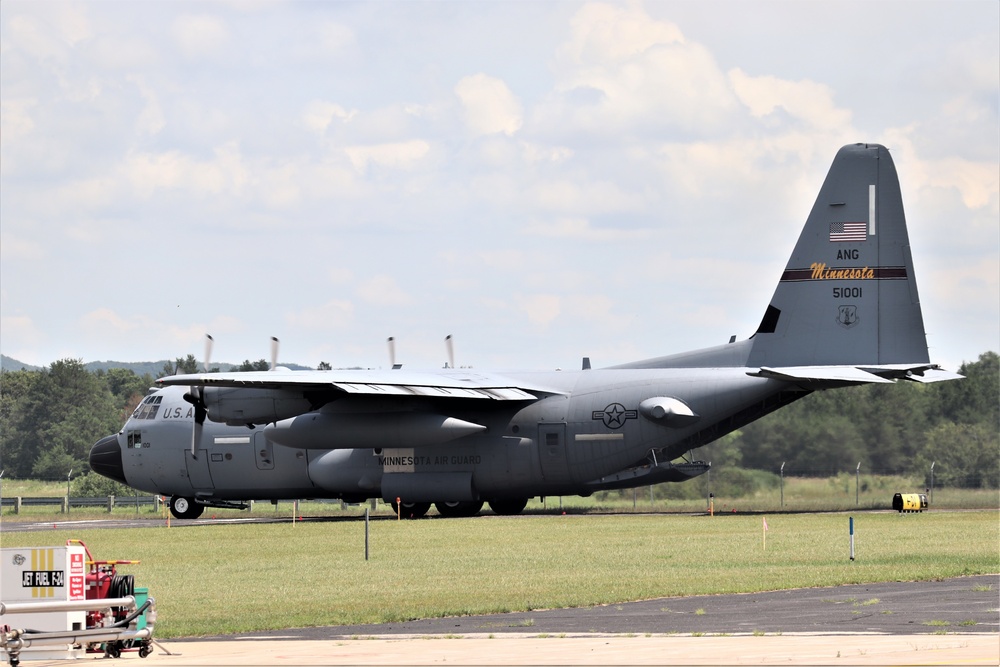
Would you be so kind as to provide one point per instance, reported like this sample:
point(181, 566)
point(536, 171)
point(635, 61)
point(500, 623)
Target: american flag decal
point(848, 232)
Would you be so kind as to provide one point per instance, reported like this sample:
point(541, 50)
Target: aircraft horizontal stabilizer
point(849, 374)
point(857, 374)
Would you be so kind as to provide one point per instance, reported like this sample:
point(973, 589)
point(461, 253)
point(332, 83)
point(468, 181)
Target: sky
point(541, 180)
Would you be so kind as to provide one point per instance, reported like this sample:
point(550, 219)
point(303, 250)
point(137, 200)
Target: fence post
point(932, 482)
point(17, 504)
point(111, 503)
point(782, 473)
point(65, 505)
point(857, 484)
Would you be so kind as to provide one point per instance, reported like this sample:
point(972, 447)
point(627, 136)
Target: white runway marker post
point(852, 538)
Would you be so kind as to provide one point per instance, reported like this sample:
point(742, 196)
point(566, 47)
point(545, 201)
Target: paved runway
point(962, 605)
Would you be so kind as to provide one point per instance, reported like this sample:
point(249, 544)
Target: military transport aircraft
point(845, 312)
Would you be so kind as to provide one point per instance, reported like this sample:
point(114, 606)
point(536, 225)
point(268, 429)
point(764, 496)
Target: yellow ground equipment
point(909, 502)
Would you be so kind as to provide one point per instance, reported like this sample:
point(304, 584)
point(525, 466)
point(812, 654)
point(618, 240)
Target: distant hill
point(9, 364)
point(154, 368)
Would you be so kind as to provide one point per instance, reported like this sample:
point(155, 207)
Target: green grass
point(801, 495)
point(214, 579)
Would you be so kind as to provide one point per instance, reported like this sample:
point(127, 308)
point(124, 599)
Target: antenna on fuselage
point(450, 346)
point(274, 353)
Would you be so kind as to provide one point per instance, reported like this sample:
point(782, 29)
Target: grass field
point(214, 579)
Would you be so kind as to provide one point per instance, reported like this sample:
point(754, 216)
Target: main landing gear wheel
point(459, 509)
point(508, 506)
point(411, 510)
point(185, 508)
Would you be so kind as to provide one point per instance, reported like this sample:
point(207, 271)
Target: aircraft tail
point(848, 296)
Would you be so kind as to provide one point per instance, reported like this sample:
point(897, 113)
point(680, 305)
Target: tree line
point(50, 418)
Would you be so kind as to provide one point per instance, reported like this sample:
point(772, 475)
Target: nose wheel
point(185, 508)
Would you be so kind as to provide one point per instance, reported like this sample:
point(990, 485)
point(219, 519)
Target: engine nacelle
point(248, 405)
point(387, 430)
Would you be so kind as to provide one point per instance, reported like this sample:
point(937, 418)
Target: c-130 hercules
point(845, 312)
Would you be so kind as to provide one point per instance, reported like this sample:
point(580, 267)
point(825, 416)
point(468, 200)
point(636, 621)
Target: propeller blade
point(274, 353)
point(208, 350)
point(195, 398)
point(195, 438)
point(451, 350)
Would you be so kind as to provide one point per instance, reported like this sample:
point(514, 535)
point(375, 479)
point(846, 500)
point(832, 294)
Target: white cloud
point(16, 120)
point(336, 37)
point(200, 35)
point(148, 172)
point(20, 333)
point(541, 309)
point(489, 106)
point(318, 115)
point(150, 120)
point(581, 229)
point(396, 155)
point(807, 101)
point(332, 314)
point(622, 70)
point(35, 38)
point(603, 33)
point(579, 196)
point(19, 249)
point(383, 290)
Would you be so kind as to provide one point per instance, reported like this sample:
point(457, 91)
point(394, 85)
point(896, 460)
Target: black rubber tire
point(185, 508)
point(459, 509)
point(508, 506)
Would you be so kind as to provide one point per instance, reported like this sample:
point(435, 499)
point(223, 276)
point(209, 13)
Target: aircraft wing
point(841, 375)
point(446, 384)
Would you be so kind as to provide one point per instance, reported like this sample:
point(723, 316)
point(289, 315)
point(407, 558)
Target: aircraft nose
point(106, 459)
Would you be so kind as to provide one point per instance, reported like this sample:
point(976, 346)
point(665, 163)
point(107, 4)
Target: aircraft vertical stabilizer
point(848, 295)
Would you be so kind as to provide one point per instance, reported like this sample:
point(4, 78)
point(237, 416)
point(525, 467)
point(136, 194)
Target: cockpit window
point(148, 408)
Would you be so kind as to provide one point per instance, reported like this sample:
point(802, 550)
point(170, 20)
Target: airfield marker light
point(399, 508)
point(711, 504)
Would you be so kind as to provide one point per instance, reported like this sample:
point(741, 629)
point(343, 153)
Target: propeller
point(449, 344)
point(392, 352)
point(274, 353)
point(209, 341)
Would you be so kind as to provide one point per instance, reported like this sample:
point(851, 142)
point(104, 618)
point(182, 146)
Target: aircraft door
point(197, 469)
point(263, 451)
point(552, 452)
